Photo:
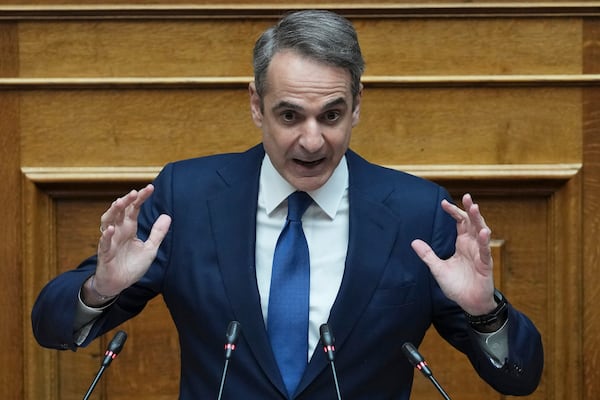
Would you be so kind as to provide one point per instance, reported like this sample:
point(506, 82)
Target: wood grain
point(223, 47)
point(496, 98)
point(591, 215)
point(12, 333)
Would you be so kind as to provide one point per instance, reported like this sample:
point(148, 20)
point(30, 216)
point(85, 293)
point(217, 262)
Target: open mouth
point(309, 164)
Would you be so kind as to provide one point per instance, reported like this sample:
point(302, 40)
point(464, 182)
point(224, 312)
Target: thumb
point(159, 230)
point(426, 254)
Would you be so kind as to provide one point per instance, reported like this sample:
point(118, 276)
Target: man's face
point(306, 118)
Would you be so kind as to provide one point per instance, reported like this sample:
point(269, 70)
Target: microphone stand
point(94, 382)
point(335, 380)
point(223, 379)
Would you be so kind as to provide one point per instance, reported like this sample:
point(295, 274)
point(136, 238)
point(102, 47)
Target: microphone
point(417, 360)
point(327, 340)
point(114, 348)
point(232, 335)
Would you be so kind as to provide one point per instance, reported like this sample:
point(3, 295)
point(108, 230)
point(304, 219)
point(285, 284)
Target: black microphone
point(232, 335)
point(114, 348)
point(417, 360)
point(327, 340)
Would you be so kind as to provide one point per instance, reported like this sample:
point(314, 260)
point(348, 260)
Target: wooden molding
point(39, 266)
point(503, 180)
point(241, 82)
point(358, 10)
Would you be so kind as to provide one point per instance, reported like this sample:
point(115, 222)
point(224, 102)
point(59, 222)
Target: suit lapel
point(373, 232)
point(233, 220)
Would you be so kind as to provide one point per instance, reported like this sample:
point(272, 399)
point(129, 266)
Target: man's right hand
point(123, 258)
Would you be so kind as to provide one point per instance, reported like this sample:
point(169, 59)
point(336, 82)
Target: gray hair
point(320, 35)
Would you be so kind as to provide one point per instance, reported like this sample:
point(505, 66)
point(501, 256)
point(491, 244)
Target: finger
point(104, 244)
point(106, 217)
point(485, 251)
point(459, 215)
point(143, 195)
point(476, 218)
point(427, 255)
point(126, 206)
point(467, 201)
point(115, 212)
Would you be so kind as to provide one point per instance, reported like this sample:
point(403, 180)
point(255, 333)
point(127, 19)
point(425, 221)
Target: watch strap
point(492, 321)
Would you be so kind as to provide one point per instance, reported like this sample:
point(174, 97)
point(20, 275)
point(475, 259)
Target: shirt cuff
point(495, 344)
point(85, 316)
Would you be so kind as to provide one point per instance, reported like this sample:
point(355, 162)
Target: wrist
point(93, 297)
point(492, 321)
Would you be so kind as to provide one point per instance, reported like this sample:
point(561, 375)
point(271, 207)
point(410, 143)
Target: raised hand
point(122, 257)
point(467, 276)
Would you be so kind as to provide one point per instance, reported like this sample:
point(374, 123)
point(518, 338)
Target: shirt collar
point(274, 189)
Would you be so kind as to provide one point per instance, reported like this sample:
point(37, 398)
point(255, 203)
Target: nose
point(311, 138)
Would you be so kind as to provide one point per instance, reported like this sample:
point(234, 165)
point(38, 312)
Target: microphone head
point(116, 345)
point(233, 332)
point(114, 348)
point(327, 339)
point(412, 354)
point(416, 359)
point(326, 335)
point(232, 335)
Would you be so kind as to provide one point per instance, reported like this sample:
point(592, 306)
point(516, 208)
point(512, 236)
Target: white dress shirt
point(326, 218)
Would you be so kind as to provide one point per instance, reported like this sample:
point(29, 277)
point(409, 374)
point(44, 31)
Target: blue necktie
point(287, 318)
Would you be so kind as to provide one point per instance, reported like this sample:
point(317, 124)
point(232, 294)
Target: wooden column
point(11, 333)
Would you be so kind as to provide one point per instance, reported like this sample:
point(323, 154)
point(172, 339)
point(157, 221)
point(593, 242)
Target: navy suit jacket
point(205, 272)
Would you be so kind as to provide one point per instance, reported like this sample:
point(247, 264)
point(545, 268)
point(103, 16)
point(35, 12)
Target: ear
point(356, 110)
point(255, 108)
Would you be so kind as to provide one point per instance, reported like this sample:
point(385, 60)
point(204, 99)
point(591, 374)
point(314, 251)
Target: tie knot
point(298, 202)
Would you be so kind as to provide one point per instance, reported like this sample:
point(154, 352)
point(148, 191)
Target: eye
point(288, 116)
point(332, 116)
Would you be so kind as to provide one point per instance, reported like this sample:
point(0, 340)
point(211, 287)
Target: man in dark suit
point(389, 253)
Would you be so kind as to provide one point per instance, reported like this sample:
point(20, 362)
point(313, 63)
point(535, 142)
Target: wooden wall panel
point(470, 126)
point(565, 273)
point(94, 128)
point(12, 332)
point(139, 48)
point(470, 47)
point(500, 99)
point(398, 126)
point(39, 266)
point(75, 240)
point(591, 213)
point(530, 273)
point(223, 47)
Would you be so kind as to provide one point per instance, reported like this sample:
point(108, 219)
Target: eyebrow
point(287, 105)
point(292, 106)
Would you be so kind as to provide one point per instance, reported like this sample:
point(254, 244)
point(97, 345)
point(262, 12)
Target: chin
point(309, 184)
